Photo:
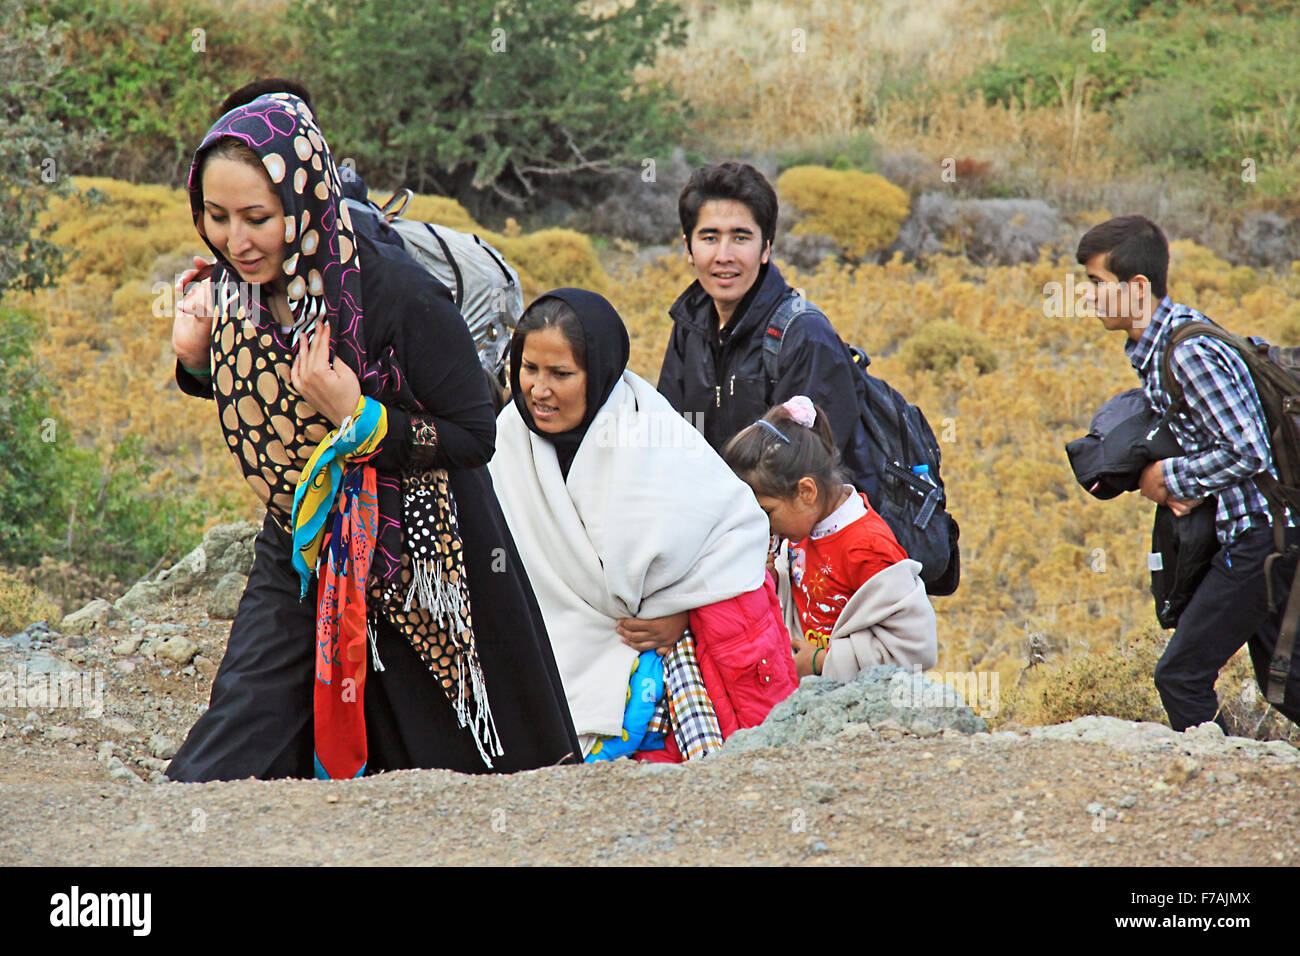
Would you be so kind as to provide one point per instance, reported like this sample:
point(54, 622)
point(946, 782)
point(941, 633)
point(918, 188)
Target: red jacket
point(745, 659)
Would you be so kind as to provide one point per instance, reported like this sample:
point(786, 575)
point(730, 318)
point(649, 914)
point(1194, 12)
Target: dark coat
point(718, 379)
point(259, 723)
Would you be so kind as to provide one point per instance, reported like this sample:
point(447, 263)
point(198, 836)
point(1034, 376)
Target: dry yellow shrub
point(940, 345)
point(860, 211)
point(21, 605)
point(1116, 681)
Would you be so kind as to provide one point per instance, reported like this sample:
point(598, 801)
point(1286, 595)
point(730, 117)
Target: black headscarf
point(608, 348)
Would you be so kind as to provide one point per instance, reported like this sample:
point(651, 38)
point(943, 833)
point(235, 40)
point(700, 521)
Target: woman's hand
point(804, 653)
point(653, 633)
point(329, 387)
point(192, 327)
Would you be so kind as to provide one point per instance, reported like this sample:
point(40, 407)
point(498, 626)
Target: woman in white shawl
point(625, 518)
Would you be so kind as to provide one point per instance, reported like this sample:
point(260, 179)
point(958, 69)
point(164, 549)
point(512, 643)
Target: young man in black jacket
point(713, 369)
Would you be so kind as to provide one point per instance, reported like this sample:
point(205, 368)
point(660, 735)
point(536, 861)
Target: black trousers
point(259, 722)
point(1230, 608)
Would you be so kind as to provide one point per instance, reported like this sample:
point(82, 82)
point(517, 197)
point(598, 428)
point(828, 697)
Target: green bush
point(1200, 84)
point(487, 99)
point(150, 76)
point(104, 512)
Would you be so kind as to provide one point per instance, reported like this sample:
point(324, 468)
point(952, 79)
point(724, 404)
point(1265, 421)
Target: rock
point(152, 763)
point(822, 708)
point(156, 777)
point(819, 792)
point(180, 650)
point(121, 772)
point(104, 751)
point(29, 636)
point(1181, 770)
point(61, 732)
point(889, 728)
point(39, 662)
point(1094, 809)
point(817, 847)
point(204, 666)
point(1227, 777)
point(1002, 231)
point(94, 615)
point(127, 645)
point(162, 746)
point(1209, 731)
point(1126, 801)
point(121, 726)
point(923, 728)
point(225, 549)
point(224, 601)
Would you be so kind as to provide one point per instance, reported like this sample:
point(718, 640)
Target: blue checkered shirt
point(1222, 426)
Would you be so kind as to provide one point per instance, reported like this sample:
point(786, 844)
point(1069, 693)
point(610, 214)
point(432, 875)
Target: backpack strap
point(1279, 668)
point(774, 334)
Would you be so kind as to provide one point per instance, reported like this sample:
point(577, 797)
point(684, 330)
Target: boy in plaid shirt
point(1223, 429)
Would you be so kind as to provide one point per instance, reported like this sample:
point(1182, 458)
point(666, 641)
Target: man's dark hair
point(1133, 245)
point(251, 91)
point(737, 181)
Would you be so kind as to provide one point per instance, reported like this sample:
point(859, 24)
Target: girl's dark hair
point(549, 312)
point(773, 467)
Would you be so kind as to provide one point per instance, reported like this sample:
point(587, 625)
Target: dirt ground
point(860, 798)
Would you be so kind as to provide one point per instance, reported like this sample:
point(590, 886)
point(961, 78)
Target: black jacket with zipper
point(718, 379)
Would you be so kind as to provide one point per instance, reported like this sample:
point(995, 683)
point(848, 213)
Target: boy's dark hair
point(1133, 245)
point(251, 91)
point(737, 181)
point(773, 467)
point(549, 312)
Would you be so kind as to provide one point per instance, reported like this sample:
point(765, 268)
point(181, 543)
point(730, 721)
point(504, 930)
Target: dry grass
point(766, 74)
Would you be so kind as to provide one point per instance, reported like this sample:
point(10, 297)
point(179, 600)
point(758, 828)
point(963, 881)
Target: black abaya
point(259, 722)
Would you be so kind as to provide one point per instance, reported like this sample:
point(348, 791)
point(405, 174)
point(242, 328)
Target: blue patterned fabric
point(645, 690)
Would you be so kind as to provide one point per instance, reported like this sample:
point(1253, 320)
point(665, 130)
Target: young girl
point(851, 596)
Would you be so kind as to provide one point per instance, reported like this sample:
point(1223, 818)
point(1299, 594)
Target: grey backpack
point(485, 289)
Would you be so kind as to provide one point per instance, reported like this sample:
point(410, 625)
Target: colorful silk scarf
point(341, 556)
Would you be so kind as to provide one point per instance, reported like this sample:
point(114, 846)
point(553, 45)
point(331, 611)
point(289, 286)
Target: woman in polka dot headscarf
point(349, 392)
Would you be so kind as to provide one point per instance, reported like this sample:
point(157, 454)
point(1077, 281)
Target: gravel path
point(74, 789)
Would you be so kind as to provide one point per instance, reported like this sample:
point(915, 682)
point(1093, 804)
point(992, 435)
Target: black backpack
point(1275, 373)
point(900, 438)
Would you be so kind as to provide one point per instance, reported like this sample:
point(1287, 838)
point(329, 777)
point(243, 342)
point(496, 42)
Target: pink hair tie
point(801, 410)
